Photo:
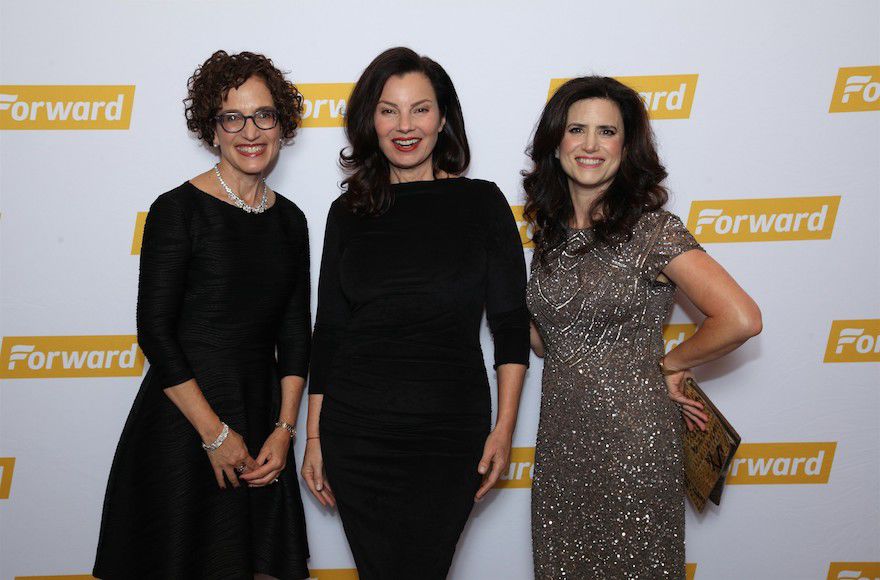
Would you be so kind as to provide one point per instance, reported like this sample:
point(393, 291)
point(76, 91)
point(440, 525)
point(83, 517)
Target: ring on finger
point(240, 468)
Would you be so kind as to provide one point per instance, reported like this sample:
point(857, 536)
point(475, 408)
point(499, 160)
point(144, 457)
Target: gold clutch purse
point(707, 454)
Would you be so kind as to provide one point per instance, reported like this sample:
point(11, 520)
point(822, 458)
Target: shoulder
point(652, 221)
point(487, 193)
point(290, 209)
point(178, 201)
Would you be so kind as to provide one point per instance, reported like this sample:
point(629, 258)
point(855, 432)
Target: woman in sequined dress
point(608, 494)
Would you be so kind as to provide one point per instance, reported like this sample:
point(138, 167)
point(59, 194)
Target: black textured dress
point(219, 291)
point(397, 355)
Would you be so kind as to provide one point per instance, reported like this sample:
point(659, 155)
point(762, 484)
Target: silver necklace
point(237, 201)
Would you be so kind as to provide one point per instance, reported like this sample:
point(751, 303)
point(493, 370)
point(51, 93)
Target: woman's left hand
point(270, 461)
point(496, 458)
point(691, 410)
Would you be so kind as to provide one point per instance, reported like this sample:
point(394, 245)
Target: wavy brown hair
point(367, 189)
point(635, 189)
point(222, 72)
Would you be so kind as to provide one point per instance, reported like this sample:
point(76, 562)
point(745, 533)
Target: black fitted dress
point(220, 290)
point(397, 356)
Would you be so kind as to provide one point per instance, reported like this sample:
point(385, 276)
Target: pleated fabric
point(220, 291)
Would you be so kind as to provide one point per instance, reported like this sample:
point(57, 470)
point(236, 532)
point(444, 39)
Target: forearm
point(192, 403)
point(314, 415)
point(291, 397)
point(535, 340)
point(510, 385)
point(716, 337)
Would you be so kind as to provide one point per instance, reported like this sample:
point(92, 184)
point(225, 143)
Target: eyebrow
point(264, 108)
point(422, 102)
point(582, 125)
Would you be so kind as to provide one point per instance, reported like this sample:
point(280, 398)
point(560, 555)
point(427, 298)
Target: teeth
point(406, 142)
point(584, 161)
point(250, 148)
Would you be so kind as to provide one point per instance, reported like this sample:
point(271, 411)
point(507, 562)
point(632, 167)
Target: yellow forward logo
point(334, 574)
point(521, 470)
point(775, 463)
point(138, 239)
point(665, 96)
point(853, 341)
point(690, 571)
point(42, 357)
point(525, 230)
point(675, 334)
point(857, 89)
point(763, 220)
point(324, 103)
point(7, 466)
point(854, 571)
point(65, 106)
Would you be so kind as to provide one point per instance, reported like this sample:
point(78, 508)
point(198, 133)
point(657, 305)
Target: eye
point(231, 117)
point(609, 132)
point(575, 130)
point(423, 110)
point(265, 115)
point(386, 111)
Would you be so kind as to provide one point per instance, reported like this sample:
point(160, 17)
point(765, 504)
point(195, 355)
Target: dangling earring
point(556, 153)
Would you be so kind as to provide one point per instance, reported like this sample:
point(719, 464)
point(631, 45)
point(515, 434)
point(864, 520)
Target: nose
point(404, 122)
point(590, 143)
point(250, 130)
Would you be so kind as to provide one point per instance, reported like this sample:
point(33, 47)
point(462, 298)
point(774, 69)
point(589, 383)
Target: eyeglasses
point(235, 122)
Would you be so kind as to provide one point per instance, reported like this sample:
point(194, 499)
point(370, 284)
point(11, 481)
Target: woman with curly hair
point(608, 493)
point(201, 484)
point(399, 403)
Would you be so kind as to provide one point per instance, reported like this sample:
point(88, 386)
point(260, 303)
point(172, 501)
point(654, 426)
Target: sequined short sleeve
point(668, 239)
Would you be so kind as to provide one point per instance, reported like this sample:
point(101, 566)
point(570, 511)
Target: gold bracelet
point(287, 427)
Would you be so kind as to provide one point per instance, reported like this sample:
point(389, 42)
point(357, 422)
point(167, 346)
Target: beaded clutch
point(707, 454)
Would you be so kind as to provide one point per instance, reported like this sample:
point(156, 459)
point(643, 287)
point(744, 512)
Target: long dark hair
point(635, 190)
point(367, 189)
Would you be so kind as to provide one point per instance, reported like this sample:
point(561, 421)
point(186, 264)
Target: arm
point(161, 285)
point(535, 340)
point(731, 315)
point(508, 320)
point(292, 344)
point(331, 321)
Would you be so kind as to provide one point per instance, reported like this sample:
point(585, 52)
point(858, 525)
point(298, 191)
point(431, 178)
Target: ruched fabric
point(220, 292)
point(397, 357)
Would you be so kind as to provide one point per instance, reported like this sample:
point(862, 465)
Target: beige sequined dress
point(608, 495)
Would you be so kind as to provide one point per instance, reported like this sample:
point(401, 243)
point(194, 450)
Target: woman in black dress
point(399, 402)
point(201, 486)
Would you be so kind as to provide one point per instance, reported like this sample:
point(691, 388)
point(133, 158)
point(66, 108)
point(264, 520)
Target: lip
point(581, 158)
point(251, 150)
point(406, 148)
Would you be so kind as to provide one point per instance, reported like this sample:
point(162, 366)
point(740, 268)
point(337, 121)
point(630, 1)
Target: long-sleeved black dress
point(220, 290)
point(396, 354)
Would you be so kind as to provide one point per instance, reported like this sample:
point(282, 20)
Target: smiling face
point(251, 150)
point(592, 146)
point(408, 121)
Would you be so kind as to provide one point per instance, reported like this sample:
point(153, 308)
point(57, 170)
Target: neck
point(423, 172)
point(245, 185)
point(582, 200)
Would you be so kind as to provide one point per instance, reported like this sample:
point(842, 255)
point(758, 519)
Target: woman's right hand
point(314, 475)
point(231, 458)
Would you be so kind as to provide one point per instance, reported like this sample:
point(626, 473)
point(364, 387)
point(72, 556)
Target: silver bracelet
point(287, 427)
point(219, 440)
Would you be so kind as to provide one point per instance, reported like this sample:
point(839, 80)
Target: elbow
point(749, 322)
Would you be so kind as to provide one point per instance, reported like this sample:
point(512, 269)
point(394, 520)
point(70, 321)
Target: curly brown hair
point(636, 189)
point(211, 82)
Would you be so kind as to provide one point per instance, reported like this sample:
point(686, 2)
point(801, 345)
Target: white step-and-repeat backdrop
point(768, 119)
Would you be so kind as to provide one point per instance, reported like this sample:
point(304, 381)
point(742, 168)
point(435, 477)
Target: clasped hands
point(233, 463)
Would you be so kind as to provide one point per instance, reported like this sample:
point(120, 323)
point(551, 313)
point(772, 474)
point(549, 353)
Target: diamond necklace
point(237, 201)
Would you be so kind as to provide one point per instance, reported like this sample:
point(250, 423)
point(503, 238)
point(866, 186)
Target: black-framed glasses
point(234, 122)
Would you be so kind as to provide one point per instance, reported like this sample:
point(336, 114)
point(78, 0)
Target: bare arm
point(535, 340)
point(732, 317)
point(496, 454)
point(313, 461)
